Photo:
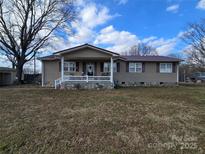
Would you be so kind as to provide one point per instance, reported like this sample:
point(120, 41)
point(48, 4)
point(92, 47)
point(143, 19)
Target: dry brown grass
point(130, 120)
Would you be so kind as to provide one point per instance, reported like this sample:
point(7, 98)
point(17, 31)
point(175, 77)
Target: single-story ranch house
point(88, 67)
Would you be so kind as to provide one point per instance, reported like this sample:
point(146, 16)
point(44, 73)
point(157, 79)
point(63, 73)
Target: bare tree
point(26, 26)
point(195, 39)
point(141, 49)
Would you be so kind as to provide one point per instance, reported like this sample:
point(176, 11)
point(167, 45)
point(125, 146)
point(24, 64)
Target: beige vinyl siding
point(86, 54)
point(150, 74)
point(51, 72)
point(51, 68)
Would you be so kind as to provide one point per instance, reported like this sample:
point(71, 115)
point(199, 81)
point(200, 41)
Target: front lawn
point(129, 120)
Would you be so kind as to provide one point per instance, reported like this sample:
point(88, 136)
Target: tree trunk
point(13, 65)
point(19, 69)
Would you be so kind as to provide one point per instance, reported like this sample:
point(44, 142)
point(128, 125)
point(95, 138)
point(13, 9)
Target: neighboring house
point(7, 76)
point(87, 66)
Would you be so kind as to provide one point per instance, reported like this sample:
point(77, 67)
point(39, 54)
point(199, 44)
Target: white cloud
point(117, 41)
point(149, 39)
point(173, 8)
point(201, 5)
point(163, 46)
point(121, 1)
point(121, 41)
point(91, 15)
point(4, 62)
point(181, 33)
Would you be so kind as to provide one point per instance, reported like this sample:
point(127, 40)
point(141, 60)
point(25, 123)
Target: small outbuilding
point(7, 76)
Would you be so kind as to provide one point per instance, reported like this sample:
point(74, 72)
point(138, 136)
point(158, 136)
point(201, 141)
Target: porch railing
point(57, 82)
point(82, 79)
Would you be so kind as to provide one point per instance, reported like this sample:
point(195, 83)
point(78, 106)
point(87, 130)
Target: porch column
point(62, 69)
point(111, 70)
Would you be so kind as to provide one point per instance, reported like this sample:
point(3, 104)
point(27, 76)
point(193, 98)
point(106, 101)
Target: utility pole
point(184, 75)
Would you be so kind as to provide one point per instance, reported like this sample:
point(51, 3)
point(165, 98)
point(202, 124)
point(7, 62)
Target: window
point(138, 67)
point(69, 66)
point(107, 67)
point(165, 67)
point(135, 67)
point(131, 67)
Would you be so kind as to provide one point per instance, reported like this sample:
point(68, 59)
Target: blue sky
point(150, 18)
point(119, 24)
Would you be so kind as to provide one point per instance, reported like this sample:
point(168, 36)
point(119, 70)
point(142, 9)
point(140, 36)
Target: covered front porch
point(85, 70)
point(88, 65)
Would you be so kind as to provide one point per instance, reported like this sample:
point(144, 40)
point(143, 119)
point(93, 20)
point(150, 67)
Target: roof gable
point(85, 46)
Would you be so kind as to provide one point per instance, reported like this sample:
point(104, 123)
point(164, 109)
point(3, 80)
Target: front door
point(90, 69)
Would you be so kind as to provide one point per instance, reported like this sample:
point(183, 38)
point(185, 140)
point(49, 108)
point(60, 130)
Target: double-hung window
point(165, 67)
point(107, 67)
point(135, 67)
point(69, 66)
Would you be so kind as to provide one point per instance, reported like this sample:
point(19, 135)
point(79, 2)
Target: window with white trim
point(135, 67)
point(165, 68)
point(107, 67)
point(69, 66)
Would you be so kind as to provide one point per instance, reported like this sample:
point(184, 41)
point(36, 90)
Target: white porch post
point(62, 69)
point(111, 70)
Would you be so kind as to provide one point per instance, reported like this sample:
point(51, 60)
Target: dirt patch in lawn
point(130, 120)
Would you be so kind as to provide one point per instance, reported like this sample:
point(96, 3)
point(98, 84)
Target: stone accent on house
point(87, 85)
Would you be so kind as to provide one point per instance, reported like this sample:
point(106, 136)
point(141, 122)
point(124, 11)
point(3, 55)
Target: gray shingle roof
point(55, 56)
point(151, 58)
point(51, 57)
